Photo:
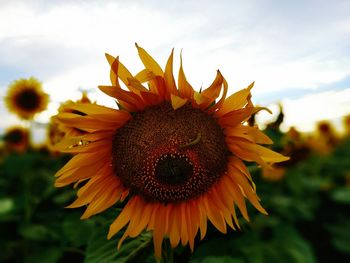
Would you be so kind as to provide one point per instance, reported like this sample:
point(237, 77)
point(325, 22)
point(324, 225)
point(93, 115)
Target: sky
point(297, 52)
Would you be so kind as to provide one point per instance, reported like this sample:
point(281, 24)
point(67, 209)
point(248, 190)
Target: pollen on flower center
point(28, 99)
point(159, 155)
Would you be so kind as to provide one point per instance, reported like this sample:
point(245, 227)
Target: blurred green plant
point(308, 218)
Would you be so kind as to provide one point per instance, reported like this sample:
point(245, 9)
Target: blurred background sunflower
point(16, 138)
point(25, 98)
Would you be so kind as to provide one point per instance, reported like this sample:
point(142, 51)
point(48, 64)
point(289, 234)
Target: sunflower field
point(169, 204)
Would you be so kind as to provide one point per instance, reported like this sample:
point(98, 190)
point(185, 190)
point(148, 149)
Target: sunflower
point(16, 139)
point(346, 123)
point(177, 154)
point(273, 173)
point(26, 98)
point(56, 131)
point(325, 139)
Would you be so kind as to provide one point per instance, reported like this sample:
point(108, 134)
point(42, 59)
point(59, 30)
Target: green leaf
point(37, 232)
point(45, 254)
point(6, 205)
point(341, 236)
point(78, 231)
point(341, 195)
point(101, 250)
point(222, 259)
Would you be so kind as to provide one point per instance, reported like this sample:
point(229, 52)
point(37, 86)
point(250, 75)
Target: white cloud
point(305, 111)
point(280, 46)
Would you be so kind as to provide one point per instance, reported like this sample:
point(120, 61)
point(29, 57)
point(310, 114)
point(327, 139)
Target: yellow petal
point(222, 99)
point(185, 89)
point(265, 153)
point(214, 214)
point(122, 219)
point(203, 218)
point(118, 69)
point(105, 198)
point(144, 75)
point(174, 226)
point(210, 94)
point(177, 102)
point(235, 101)
point(250, 133)
point(241, 180)
point(169, 77)
point(236, 117)
point(149, 62)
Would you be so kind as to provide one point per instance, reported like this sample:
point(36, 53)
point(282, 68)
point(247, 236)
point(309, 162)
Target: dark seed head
point(159, 155)
point(28, 99)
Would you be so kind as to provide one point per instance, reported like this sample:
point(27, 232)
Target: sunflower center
point(28, 99)
point(15, 136)
point(173, 170)
point(169, 155)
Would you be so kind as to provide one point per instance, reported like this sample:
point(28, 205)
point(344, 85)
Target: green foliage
point(99, 250)
point(308, 218)
point(278, 244)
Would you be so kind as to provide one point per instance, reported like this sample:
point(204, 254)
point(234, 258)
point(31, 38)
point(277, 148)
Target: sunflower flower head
point(325, 139)
point(346, 123)
point(177, 154)
point(16, 139)
point(26, 98)
point(57, 131)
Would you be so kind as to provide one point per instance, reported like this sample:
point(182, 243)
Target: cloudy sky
point(297, 52)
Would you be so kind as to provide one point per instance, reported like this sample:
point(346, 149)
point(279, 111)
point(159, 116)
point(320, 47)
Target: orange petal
point(169, 77)
point(203, 218)
point(62, 146)
point(251, 134)
point(174, 225)
point(185, 89)
point(105, 198)
point(223, 205)
point(159, 230)
point(82, 172)
point(87, 192)
point(264, 153)
point(241, 167)
point(144, 75)
point(177, 102)
point(241, 180)
point(236, 101)
point(118, 70)
point(90, 123)
point(157, 86)
point(82, 160)
point(238, 198)
point(183, 219)
point(236, 117)
point(150, 98)
point(135, 86)
point(222, 99)
point(149, 62)
point(190, 224)
point(194, 218)
point(124, 96)
point(141, 219)
point(88, 108)
point(123, 218)
point(214, 214)
point(212, 92)
point(226, 192)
